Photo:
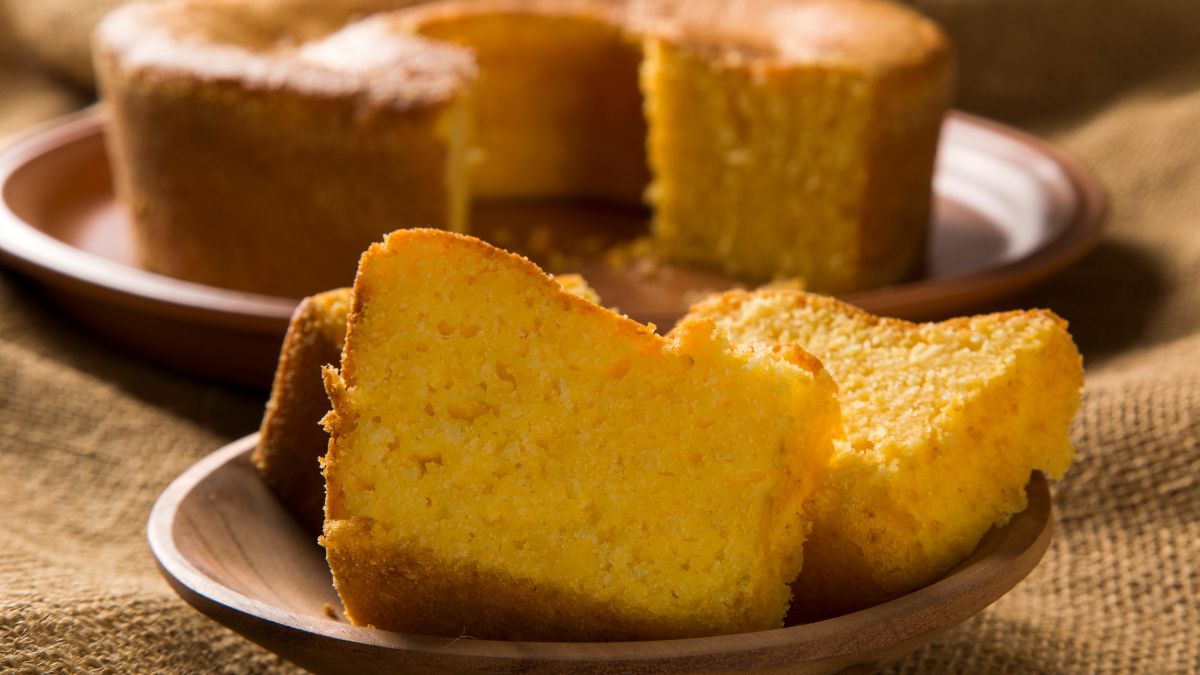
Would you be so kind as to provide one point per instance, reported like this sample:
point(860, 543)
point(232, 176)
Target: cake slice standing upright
point(509, 460)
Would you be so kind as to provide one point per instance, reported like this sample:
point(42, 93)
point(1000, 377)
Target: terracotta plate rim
point(921, 613)
point(65, 267)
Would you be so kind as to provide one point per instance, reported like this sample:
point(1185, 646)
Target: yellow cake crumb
point(291, 440)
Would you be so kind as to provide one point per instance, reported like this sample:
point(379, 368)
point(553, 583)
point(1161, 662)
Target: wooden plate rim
point(65, 267)
point(906, 618)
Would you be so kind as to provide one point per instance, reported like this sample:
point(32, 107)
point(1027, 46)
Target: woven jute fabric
point(89, 436)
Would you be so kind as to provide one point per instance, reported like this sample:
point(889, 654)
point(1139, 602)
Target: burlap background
point(88, 436)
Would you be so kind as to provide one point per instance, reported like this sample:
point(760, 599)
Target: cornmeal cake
point(291, 440)
point(261, 144)
point(509, 460)
point(944, 424)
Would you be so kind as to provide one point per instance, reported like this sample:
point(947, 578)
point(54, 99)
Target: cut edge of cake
point(291, 439)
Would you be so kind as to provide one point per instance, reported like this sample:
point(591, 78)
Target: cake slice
point(291, 440)
point(944, 424)
point(508, 460)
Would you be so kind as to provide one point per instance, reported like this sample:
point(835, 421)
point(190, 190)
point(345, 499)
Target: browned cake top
point(869, 35)
point(324, 48)
point(318, 48)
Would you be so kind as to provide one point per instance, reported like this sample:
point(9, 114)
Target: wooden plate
point(1010, 211)
point(230, 550)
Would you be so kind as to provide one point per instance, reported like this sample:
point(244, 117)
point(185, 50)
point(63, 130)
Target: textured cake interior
point(291, 440)
point(558, 112)
point(944, 424)
point(741, 156)
point(510, 460)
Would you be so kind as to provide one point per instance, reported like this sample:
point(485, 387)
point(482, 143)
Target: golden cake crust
point(328, 50)
point(294, 45)
point(262, 42)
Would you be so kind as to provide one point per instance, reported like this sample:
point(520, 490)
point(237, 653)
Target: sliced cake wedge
point(944, 424)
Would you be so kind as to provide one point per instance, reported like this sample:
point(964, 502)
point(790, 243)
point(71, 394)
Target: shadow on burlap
point(89, 437)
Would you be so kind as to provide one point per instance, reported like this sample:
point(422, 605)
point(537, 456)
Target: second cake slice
point(944, 424)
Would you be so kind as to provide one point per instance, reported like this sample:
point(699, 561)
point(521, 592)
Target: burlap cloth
point(89, 436)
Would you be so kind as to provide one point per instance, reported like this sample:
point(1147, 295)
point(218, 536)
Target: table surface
point(89, 436)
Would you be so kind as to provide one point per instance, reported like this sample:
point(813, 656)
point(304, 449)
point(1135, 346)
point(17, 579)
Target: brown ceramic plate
point(229, 549)
point(1010, 211)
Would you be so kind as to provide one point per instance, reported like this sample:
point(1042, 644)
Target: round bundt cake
point(263, 144)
